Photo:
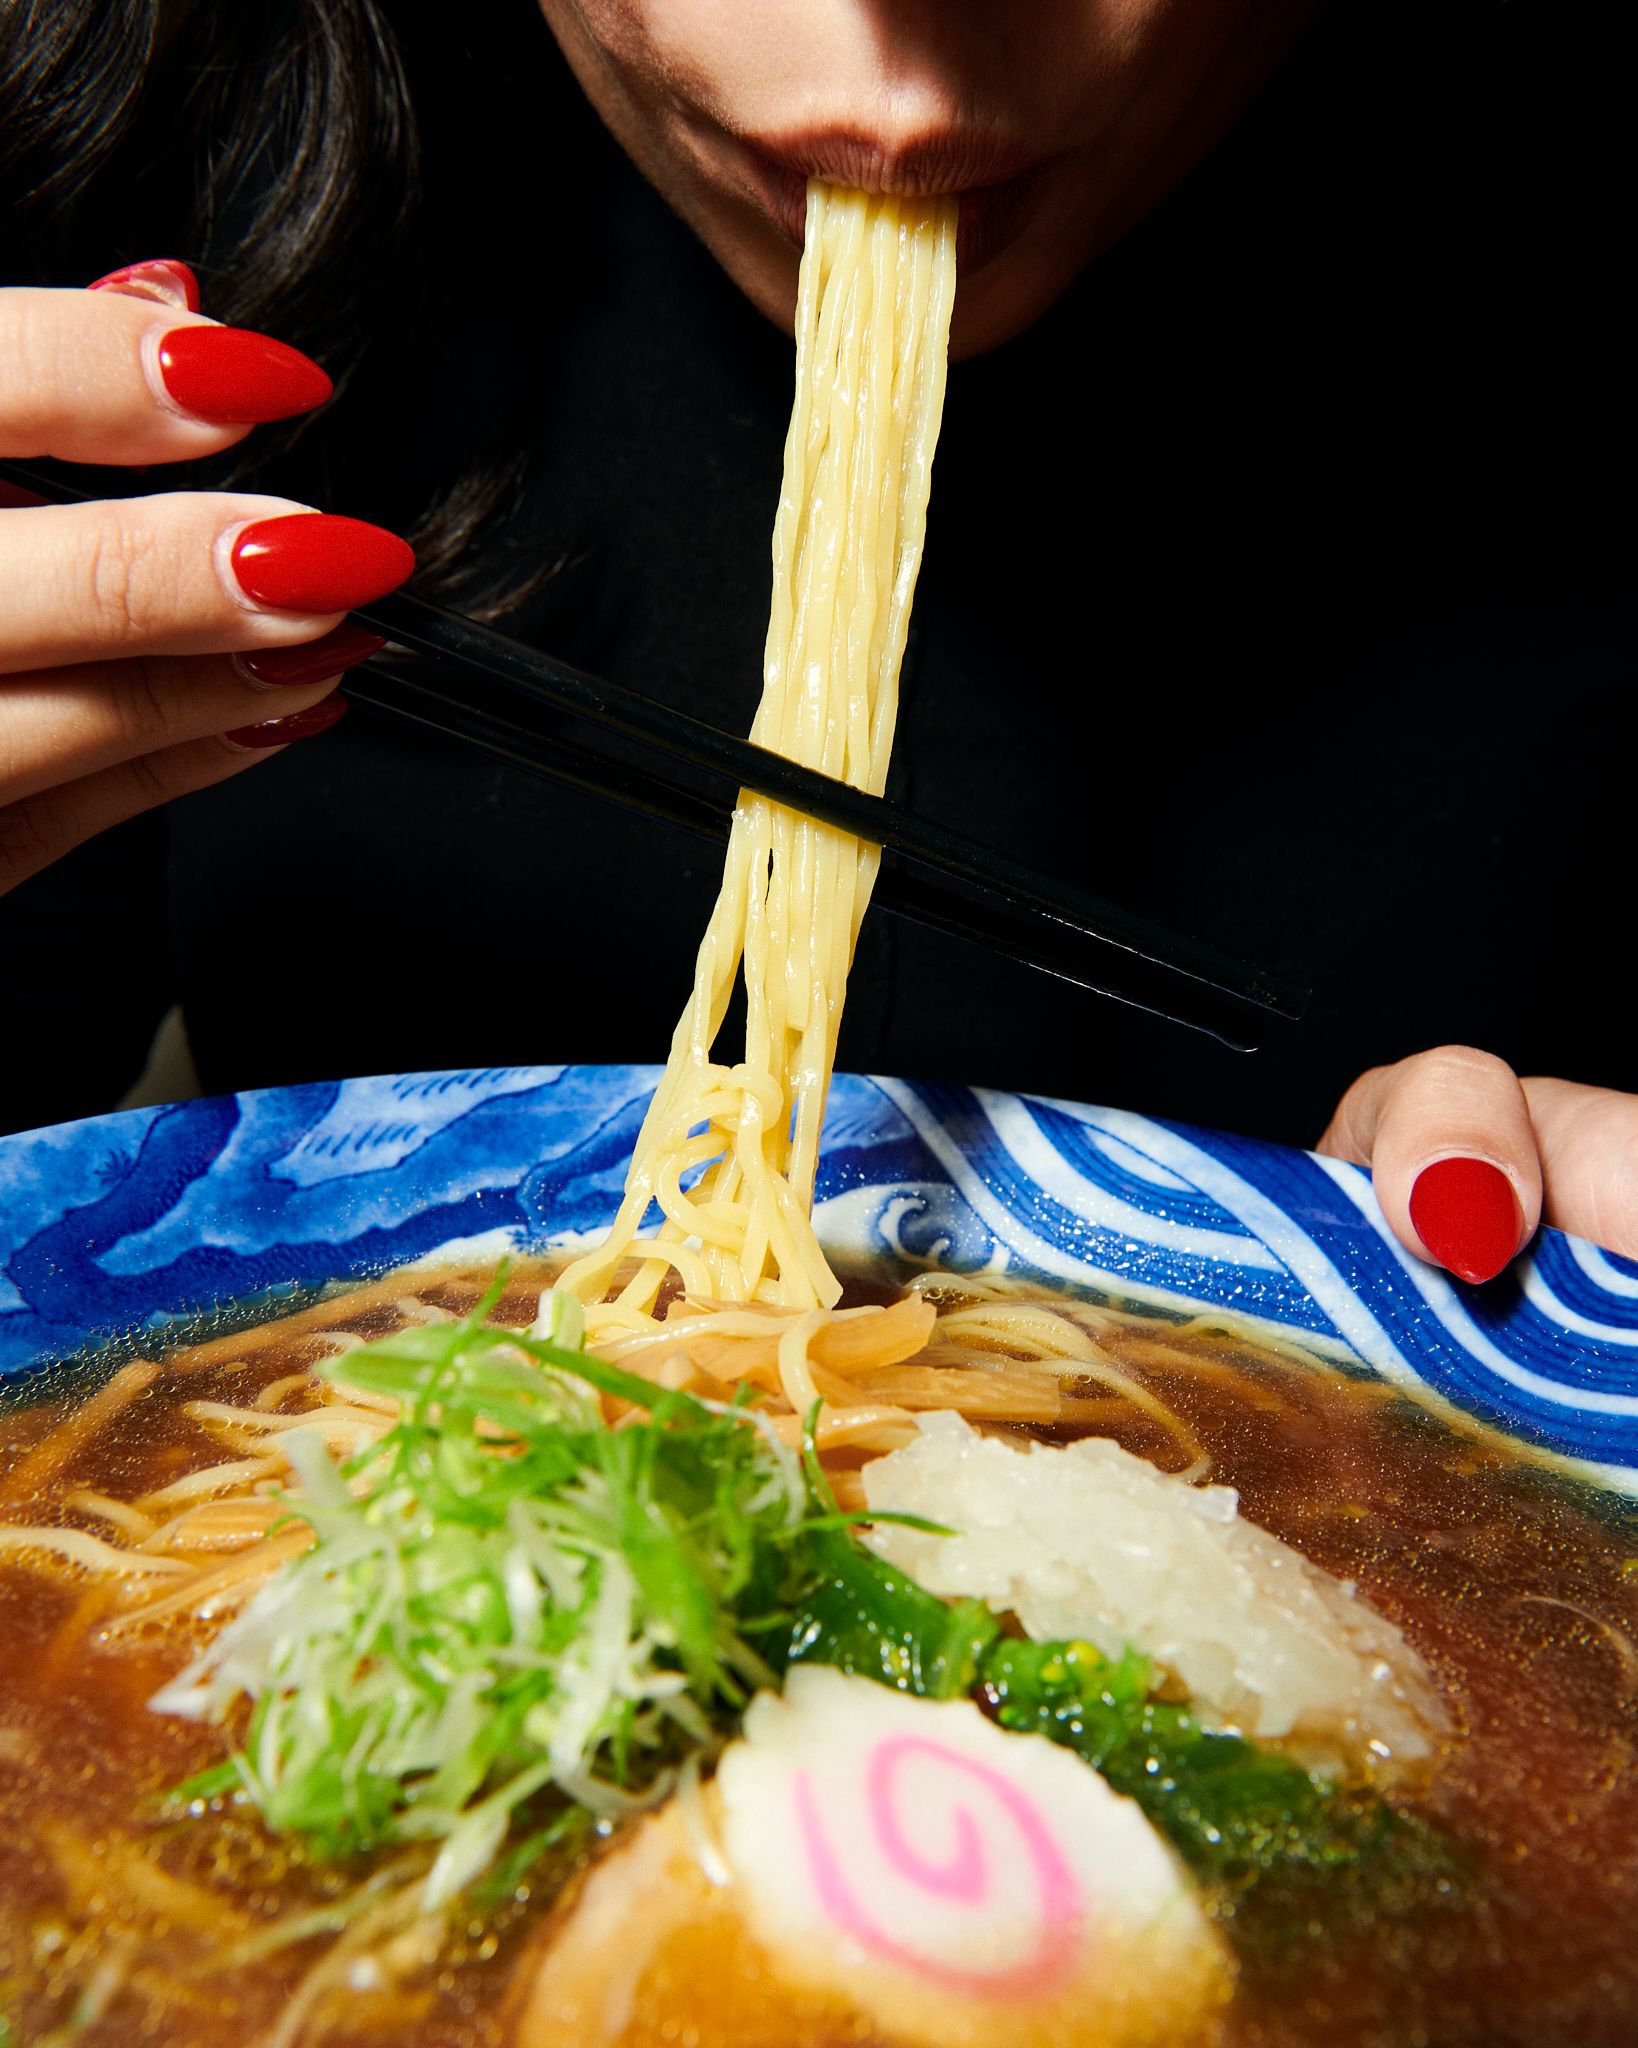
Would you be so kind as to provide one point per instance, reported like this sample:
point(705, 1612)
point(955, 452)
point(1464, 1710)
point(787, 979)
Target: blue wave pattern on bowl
point(130, 1222)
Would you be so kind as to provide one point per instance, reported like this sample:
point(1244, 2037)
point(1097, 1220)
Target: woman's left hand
point(1467, 1158)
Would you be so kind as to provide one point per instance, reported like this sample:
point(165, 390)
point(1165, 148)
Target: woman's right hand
point(150, 646)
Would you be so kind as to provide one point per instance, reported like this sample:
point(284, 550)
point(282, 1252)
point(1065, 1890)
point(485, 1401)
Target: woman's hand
point(149, 646)
point(1467, 1158)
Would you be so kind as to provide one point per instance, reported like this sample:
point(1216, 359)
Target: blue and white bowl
point(140, 1224)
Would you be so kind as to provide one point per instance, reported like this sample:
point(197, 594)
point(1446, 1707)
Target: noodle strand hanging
point(872, 327)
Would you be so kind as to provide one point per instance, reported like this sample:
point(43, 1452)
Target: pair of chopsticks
point(486, 691)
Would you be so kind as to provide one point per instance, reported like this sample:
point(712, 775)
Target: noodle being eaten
point(872, 324)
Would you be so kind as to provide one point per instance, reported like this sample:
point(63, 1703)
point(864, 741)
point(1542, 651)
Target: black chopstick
point(463, 644)
point(962, 887)
point(416, 694)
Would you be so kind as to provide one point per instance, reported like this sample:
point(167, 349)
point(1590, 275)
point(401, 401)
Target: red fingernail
point(342, 648)
point(279, 732)
point(1466, 1213)
point(318, 562)
point(233, 377)
point(164, 279)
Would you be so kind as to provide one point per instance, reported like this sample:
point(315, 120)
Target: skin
point(1060, 124)
point(118, 622)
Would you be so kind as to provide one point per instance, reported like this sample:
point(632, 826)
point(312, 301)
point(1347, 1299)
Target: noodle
point(91, 1553)
point(212, 1588)
point(127, 1519)
point(877, 280)
point(46, 1460)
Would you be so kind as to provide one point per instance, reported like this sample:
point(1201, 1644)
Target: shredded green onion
point(508, 1598)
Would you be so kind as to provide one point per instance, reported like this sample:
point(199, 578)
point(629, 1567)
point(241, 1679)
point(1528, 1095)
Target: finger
point(186, 572)
point(162, 279)
point(102, 376)
point(41, 829)
point(1588, 1140)
point(64, 723)
point(1452, 1152)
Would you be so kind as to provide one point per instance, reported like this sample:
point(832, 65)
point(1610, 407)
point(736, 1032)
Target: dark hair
point(277, 145)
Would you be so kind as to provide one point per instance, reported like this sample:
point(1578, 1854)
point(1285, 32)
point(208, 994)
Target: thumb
point(1448, 1137)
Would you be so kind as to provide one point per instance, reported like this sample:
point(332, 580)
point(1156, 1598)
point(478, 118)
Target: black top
point(1271, 588)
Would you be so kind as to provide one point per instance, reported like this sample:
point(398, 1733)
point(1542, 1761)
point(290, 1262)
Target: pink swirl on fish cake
point(963, 1877)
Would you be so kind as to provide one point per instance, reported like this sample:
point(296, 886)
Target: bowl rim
point(337, 1180)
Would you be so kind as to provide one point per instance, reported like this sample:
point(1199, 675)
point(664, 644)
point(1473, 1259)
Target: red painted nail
point(1466, 1213)
point(164, 280)
point(318, 562)
point(279, 732)
point(232, 377)
point(342, 648)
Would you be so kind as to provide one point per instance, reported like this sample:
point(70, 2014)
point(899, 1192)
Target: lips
point(993, 181)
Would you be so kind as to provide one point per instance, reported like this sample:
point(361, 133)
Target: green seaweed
point(1289, 1854)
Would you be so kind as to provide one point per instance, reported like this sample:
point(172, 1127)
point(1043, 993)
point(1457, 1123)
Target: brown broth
point(1519, 1588)
point(1517, 1585)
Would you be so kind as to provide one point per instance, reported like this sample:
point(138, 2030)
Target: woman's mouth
point(992, 181)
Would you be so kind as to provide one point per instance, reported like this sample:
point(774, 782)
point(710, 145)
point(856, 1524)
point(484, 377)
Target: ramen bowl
point(1326, 1566)
point(147, 1222)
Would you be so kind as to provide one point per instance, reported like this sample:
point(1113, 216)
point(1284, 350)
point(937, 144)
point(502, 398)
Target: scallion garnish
point(509, 1597)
